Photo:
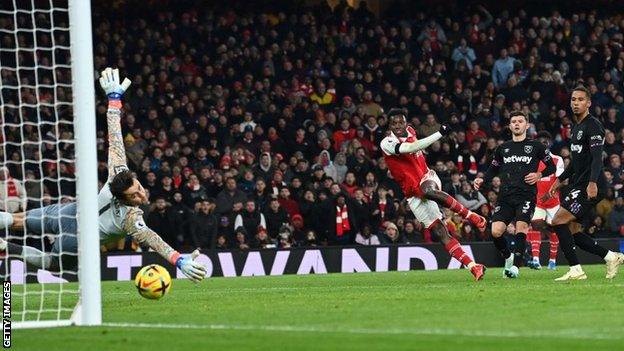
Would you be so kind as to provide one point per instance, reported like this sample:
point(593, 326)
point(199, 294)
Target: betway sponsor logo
point(514, 158)
point(576, 148)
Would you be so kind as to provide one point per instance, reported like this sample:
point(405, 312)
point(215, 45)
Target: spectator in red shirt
point(345, 133)
point(291, 206)
point(360, 135)
point(474, 132)
point(349, 185)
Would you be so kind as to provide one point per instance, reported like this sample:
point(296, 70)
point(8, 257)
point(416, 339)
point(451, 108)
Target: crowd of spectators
point(260, 127)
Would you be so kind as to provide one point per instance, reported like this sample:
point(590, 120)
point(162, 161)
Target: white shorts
point(545, 214)
point(426, 211)
point(432, 175)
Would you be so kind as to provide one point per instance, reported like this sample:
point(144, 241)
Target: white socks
point(576, 268)
point(6, 220)
point(610, 256)
point(509, 261)
point(470, 265)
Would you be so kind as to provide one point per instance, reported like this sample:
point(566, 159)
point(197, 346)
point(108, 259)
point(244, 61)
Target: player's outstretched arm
point(136, 227)
point(394, 147)
point(109, 81)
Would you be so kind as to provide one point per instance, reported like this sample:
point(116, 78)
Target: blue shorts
point(59, 219)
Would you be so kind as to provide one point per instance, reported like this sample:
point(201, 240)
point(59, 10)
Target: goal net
point(47, 162)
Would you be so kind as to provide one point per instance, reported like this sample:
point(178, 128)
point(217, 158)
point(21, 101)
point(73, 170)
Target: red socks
point(461, 210)
point(454, 249)
point(535, 238)
point(456, 207)
point(554, 246)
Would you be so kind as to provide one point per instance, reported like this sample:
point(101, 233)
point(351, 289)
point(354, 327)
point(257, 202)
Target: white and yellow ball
point(153, 281)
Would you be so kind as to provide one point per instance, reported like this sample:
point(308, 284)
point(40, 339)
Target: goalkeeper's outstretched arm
point(133, 224)
point(136, 227)
point(116, 150)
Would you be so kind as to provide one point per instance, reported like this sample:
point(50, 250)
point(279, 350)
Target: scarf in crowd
point(474, 33)
point(472, 167)
point(342, 220)
point(382, 209)
point(177, 181)
point(11, 188)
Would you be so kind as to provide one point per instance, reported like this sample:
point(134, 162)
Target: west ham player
point(515, 162)
point(545, 209)
point(587, 186)
point(118, 202)
point(403, 154)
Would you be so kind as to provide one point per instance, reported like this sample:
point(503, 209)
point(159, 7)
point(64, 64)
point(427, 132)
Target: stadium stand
point(284, 105)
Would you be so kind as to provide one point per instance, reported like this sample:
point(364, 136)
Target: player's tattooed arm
point(116, 149)
point(114, 89)
point(136, 227)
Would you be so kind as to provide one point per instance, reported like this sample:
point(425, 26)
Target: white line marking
point(582, 334)
point(222, 290)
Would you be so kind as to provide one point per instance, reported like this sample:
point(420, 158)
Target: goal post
point(44, 43)
point(90, 305)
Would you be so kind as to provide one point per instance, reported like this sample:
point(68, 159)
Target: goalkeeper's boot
point(552, 265)
point(613, 264)
point(478, 271)
point(6, 220)
point(534, 264)
point(575, 273)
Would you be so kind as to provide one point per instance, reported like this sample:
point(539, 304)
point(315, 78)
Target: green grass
point(418, 310)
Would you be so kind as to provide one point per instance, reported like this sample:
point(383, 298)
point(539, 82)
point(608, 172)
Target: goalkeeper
point(118, 201)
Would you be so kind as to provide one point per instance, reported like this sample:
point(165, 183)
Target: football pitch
point(417, 310)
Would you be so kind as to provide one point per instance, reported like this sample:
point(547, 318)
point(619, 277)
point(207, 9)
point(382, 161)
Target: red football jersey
point(406, 169)
point(544, 184)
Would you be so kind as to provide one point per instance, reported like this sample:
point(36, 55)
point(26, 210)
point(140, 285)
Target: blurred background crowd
point(259, 126)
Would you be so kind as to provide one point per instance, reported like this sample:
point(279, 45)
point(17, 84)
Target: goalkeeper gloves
point(195, 271)
point(109, 81)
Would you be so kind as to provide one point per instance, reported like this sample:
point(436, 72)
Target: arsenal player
point(403, 154)
point(545, 210)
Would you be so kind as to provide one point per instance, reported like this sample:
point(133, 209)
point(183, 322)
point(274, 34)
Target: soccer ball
point(153, 281)
point(512, 272)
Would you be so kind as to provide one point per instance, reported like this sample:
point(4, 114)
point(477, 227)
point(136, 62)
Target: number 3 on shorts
point(526, 207)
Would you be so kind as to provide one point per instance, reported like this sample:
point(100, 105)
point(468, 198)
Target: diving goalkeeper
point(118, 201)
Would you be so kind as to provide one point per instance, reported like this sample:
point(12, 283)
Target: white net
point(37, 156)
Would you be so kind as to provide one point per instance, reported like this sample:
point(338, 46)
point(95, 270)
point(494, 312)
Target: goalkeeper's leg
point(31, 255)
point(59, 219)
